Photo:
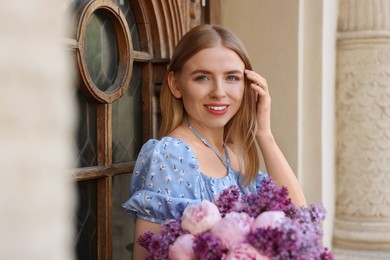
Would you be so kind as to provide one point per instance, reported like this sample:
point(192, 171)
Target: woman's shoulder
point(168, 151)
point(161, 142)
point(166, 143)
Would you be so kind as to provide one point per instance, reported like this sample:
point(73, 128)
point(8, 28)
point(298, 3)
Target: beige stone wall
point(37, 121)
point(269, 29)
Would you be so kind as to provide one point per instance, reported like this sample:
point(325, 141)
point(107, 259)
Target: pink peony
point(233, 228)
point(244, 251)
point(200, 217)
point(182, 249)
point(271, 219)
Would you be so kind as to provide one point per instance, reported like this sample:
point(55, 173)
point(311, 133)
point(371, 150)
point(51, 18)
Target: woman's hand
point(263, 111)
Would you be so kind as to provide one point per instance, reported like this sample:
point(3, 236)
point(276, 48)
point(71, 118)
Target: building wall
point(37, 121)
point(269, 29)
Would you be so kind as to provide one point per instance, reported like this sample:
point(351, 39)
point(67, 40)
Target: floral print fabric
point(167, 178)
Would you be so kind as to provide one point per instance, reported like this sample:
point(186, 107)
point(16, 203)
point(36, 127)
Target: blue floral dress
point(167, 178)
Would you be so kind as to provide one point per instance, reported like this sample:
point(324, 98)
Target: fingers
point(258, 82)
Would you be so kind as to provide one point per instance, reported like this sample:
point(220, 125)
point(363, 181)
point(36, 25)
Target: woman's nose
point(218, 89)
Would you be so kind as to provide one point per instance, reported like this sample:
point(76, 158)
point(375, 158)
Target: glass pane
point(87, 135)
point(86, 237)
point(101, 50)
point(127, 121)
point(122, 224)
point(128, 12)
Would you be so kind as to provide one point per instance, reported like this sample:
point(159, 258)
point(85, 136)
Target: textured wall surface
point(36, 115)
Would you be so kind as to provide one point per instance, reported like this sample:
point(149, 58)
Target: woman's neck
point(209, 136)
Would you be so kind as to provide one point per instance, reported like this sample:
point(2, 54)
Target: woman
point(215, 123)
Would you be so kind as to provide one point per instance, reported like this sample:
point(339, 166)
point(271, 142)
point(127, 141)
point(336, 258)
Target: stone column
point(362, 221)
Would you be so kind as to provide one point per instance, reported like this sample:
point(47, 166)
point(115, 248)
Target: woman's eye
point(232, 78)
point(201, 78)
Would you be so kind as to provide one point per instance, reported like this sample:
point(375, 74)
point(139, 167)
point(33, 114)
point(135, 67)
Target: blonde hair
point(241, 128)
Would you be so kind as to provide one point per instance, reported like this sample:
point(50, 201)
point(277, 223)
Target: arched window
point(121, 49)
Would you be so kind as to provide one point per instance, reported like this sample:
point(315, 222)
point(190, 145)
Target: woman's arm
point(275, 162)
point(279, 169)
point(142, 226)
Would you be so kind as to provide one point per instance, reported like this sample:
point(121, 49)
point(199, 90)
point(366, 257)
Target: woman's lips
point(217, 109)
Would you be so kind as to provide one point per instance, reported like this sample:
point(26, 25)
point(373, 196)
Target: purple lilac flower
point(228, 200)
point(144, 239)
point(158, 248)
point(326, 254)
point(171, 229)
point(266, 240)
point(302, 240)
point(293, 240)
point(317, 213)
point(208, 246)
point(269, 197)
point(158, 244)
point(314, 213)
point(310, 219)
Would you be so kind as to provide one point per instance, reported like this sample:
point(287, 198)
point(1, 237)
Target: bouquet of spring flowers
point(265, 225)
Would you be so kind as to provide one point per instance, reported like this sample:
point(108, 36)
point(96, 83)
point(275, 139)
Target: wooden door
point(121, 49)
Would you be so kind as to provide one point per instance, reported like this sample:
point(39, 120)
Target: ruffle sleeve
point(164, 180)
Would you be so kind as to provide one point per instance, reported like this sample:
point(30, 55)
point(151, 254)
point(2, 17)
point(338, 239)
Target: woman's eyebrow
point(209, 72)
point(200, 72)
point(234, 72)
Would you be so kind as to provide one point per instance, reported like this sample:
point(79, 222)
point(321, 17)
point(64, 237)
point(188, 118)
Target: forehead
point(215, 58)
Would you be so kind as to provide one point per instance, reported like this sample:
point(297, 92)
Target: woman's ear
point(174, 85)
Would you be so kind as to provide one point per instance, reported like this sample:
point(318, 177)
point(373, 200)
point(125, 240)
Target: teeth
point(218, 108)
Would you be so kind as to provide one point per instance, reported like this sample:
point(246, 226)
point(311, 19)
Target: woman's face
point(211, 86)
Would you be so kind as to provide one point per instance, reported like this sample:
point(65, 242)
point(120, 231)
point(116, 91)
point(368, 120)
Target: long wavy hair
point(240, 130)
